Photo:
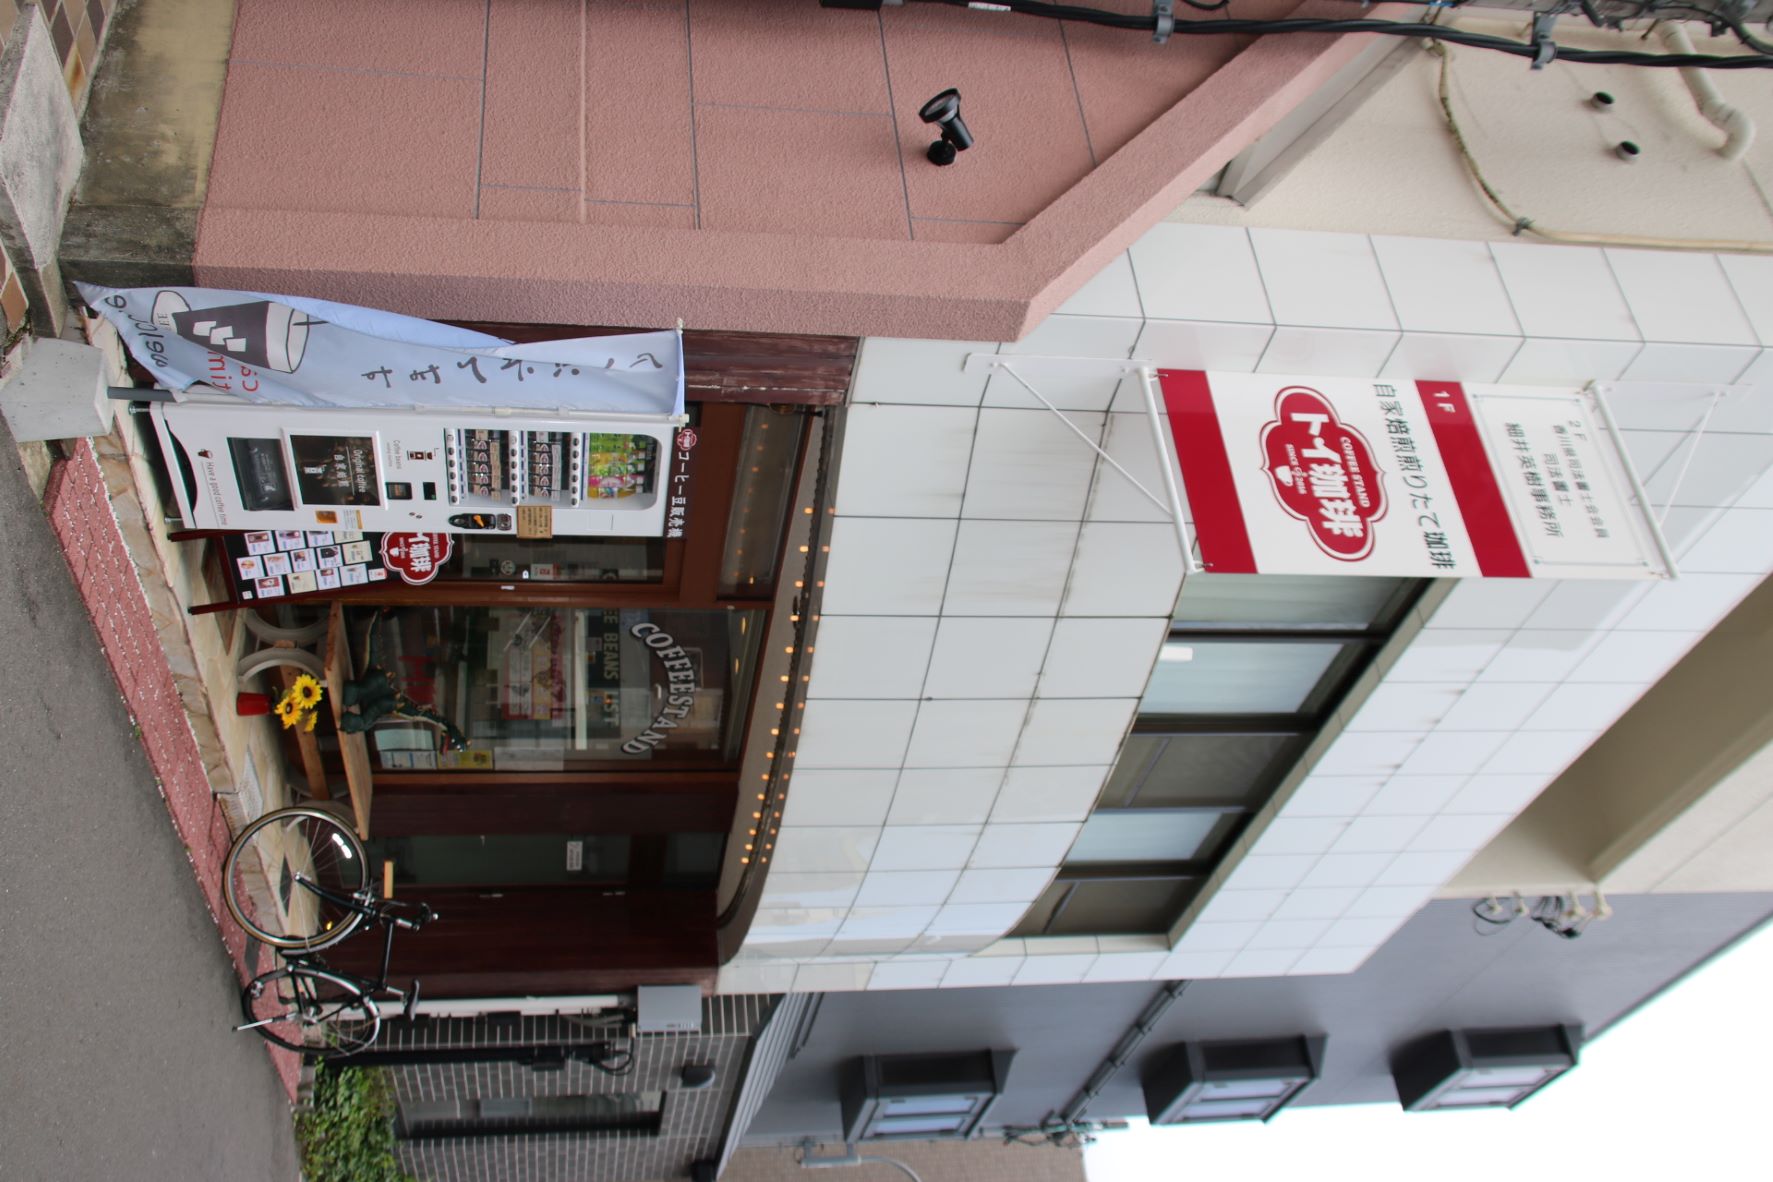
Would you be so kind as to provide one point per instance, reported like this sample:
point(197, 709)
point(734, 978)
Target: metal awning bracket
point(1145, 372)
point(975, 362)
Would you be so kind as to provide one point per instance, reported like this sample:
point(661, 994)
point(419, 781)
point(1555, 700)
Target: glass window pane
point(1136, 835)
point(545, 689)
point(928, 1105)
point(1194, 769)
point(1499, 1077)
point(1478, 1097)
point(1126, 907)
point(760, 501)
point(1035, 922)
point(1285, 601)
point(1131, 769)
point(1225, 1109)
point(1242, 1089)
point(904, 1126)
point(1116, 907)
point(1239, 677)
point(551, 560)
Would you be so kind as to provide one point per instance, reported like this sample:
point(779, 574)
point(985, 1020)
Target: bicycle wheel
point(291, 876)
point(310, 1010)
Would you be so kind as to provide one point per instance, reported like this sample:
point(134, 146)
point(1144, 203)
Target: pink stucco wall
point(740, 163)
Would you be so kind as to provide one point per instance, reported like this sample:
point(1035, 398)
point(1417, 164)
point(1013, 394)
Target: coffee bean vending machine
point(246, 466)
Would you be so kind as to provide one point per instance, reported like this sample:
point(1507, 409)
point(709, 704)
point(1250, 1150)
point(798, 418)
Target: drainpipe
point(1738, 128)
point(849, 1157)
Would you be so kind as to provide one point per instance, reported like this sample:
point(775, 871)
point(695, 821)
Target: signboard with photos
point(280, 564)
point(1419, 479)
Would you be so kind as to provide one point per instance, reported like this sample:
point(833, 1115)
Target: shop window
point(1147, 835)
point(920, 1097)
point(1196, 1082)
point(561, 690)
point(558, 560)
point(1159, 770)
point(1126, 906)
point(1291, 602)
point(1461, 1069)
point(767, 472)
point(1197, 676)
point(1251, 668)
point(515, 1116)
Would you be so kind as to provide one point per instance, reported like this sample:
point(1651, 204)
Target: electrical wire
point(618, 1063)
point(1521, 224)
point(1540, 50)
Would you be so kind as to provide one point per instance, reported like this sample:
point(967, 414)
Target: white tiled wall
point(995, 599)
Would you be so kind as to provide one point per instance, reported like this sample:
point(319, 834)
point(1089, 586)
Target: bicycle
point(297, 879)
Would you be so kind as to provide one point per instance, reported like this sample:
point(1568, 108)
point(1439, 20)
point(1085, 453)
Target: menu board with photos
point(276, 564)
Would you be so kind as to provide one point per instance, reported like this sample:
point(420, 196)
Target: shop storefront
point(604, 684)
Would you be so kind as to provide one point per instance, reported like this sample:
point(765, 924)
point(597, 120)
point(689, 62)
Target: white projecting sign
point(1425, 479)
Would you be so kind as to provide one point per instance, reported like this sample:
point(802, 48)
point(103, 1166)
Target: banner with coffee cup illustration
point(294, 351)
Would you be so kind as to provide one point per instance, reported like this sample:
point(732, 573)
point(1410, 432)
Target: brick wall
point(693, 1122)
point(77, 30)
point(934, 1161)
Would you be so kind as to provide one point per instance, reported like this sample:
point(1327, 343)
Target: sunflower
point(312, 719)
point(306, 691)
point(288, 711)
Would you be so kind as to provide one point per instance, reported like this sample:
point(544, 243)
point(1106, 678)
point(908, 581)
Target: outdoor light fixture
point(1196, 1082)
point(944, 112)
point(1455, 1069)
point(920, 1097)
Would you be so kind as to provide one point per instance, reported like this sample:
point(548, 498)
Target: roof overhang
point(556, 272)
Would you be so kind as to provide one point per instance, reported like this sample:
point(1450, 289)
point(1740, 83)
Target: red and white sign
point(1345, 476)
point(417, 558)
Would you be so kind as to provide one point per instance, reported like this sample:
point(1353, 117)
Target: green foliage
point(348, 1133)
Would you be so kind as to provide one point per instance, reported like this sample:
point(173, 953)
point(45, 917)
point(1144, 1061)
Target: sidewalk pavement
point(80, 509)
point(117, 998)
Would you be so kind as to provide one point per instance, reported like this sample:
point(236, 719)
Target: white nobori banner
point(294, 351)
point(1401, 478)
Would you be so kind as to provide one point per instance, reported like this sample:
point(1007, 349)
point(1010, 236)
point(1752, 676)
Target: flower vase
point(248, 705)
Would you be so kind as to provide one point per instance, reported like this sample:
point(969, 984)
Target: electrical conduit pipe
point(1738, 128)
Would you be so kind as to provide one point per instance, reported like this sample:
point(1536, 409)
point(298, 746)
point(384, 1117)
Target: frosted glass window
point(1290, 601)
point(1136, 835)
point(906, 1126)
point(929, 1105)
point(1108, 907)
point(1478, 1097)
point(1502, 1077)
point(1244, 1089)
point(1226, 1109)
point(1238, 677)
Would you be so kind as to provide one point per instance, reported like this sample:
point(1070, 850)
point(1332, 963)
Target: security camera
point(944, 112)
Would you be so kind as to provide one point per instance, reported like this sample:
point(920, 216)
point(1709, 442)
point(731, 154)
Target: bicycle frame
point(382, 912)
